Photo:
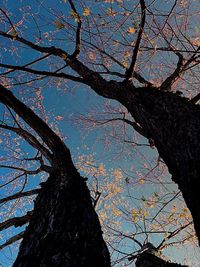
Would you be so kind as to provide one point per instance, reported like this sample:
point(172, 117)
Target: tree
point(69, 231)
point(170, 121)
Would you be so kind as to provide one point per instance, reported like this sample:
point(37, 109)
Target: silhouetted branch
point(19, 195)
point(130, 71)
point(12, 240)
point(16, 222)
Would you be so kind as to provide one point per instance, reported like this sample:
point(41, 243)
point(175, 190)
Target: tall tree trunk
point(65, 230)
point(149, 260)
point(174, 125)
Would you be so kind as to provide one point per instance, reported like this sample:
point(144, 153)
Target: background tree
point(143, 55)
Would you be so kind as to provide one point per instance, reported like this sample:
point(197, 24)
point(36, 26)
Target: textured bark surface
point(65, 230)
point(171, 121)
point(149, 260)
point(174, 125)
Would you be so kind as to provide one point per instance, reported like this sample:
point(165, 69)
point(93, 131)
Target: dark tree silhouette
point(64, 229)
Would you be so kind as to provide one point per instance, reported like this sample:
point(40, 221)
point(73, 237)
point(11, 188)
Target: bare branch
point(78, 31)
point(30, 63)
point(31, 140)
point(51, 139)
point(12, 180)
point(23, 170)
point(172, 234)
point(19, 195)
point(166, 85)
point(130, 71)
point(16, 222)
point(45, 73)
point(11, 24)
point(165, 204)
point(12, 240)
point(90, 77)
point(50, 50)
point(195, 99)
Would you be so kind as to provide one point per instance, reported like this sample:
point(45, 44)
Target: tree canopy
point(116, 83)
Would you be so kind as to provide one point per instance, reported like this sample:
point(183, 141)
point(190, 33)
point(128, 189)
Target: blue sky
point(62, 104)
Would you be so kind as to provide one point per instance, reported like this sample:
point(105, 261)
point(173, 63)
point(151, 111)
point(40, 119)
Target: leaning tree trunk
point(173, 123)
point(65, 229)
point(150, 260)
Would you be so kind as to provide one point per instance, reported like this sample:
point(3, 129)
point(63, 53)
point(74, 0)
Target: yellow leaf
point(183, 215)
point(59, 25)
point(116, 212)
point(74, 15)
point(196, 42)
point(141, 181)
point(101, 170)
point(127, 54)
point(91, 56)
point(134, 214)
point(86, 11)
point(64, 56)
point(131, 30)
point(171, 217)
point(174, 209)
point(118, 174)
point(166, 235)
point(124, 63)
point(117, 190)
point(145, 213)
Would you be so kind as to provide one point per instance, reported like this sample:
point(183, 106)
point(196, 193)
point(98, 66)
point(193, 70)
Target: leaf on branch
point(91, 56)
point(124, 63)
point(86, 11)
point(116, 212)
point(131, 30)
point(74, 15)
point(64, 56)
point(13, 32)
point(59, 25)
point(141, 181)
point(196, 41)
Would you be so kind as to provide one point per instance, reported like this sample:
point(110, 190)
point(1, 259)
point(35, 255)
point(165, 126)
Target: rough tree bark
point(170, 120)
point(173, 122)
point(149, 260)
point(64, 229)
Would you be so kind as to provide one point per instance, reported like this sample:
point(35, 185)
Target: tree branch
point(19, 195)
point(16, 222)
point(42, 72)
point(195, 99)
point(130, 71)
point(90, 77)
point(12, 240)
point(51, 139)
point(166, 85)
point(31, 140)
point(78, 31)
point(50, 50)
point(11, 24)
